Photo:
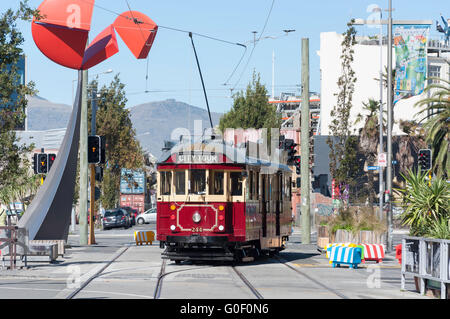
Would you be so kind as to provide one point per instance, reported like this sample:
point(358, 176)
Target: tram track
point(298, 271)
point(97, 273)
point(163, 273)
point(247, 283)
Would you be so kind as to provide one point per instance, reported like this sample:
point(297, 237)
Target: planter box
point(363, 236)
point(322, 242)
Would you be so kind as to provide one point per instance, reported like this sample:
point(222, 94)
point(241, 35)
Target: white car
point(149, 216)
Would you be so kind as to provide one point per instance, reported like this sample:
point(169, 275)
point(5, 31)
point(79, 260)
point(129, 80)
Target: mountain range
point(154, 122)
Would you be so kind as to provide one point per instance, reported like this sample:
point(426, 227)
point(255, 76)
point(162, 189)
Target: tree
point(343, 165)
point(122, 148)
point(251, 109)
point(369, 141)
point(437, 126)
point(13, 160)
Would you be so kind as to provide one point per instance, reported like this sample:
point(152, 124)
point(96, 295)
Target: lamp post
point(389, 135)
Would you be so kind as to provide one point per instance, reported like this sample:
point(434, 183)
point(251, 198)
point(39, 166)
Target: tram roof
point(234, 155)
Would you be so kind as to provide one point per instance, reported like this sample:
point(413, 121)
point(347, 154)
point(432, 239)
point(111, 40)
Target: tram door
point(264, 204)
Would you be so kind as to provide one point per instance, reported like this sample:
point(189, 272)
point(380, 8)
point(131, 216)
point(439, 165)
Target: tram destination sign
point(197, 158)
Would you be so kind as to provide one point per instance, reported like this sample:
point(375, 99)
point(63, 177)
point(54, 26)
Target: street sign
point(382, 160)
point(373, 168)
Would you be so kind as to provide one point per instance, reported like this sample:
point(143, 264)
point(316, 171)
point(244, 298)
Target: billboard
point(410, 45)
point(132, 181)
point(21, 70)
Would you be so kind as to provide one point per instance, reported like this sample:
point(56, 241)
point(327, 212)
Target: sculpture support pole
point(48, 216)
point(83, 199)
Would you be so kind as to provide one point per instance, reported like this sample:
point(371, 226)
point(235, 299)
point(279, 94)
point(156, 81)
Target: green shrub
point(426, 205)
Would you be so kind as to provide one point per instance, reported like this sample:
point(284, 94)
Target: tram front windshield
point(197, 182)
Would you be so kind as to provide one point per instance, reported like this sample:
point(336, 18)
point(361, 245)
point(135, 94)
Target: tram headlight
point(196, 217)
point(172, 228)
point(221, 228)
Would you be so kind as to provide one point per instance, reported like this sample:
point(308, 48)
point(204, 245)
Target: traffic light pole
point(304, 142)
point(92, 168)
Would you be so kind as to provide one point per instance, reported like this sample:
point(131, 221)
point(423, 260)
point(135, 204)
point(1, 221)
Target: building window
point(434, 71)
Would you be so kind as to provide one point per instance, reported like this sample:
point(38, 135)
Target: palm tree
point(369, 140)
point(437, 125)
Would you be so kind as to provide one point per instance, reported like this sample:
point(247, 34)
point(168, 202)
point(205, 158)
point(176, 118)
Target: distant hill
point(153, 121)
point(45, 115)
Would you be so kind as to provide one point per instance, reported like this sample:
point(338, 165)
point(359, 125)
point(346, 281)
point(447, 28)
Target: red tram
point(214, 202)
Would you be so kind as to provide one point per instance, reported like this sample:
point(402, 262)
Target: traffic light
point(42, 163)
point(35, 163)
point(51, 159)
point(103, 150)
point(94, 149)
point(297, 163)
point(99, 173)
point(424, 159)
point(289, 146)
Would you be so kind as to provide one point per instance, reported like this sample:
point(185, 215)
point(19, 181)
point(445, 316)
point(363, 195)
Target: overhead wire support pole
point(304, 147)
point(203, 83)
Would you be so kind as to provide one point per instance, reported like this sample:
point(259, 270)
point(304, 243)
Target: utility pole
point(83, 161)
point(389, 135)
point(304, 144)
point(92, 168)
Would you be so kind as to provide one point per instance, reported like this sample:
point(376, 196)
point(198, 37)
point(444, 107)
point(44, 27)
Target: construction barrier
point(345, 255)
point(327, 247)
point(144, 237)
point(373, 252)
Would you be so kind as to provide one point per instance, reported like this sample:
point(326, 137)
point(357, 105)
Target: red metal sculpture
point(62, 34)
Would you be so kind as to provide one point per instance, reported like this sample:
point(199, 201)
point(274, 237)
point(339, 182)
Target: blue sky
point(172, 67)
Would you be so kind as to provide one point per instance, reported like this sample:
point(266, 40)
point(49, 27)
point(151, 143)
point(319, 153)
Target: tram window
point(236, 184)
point(216, 182)
point(197, 182)
point(166, 180)
point(180, 182)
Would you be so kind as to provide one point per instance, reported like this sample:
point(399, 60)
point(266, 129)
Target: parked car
point(116, 218)
point(149, 216)
point(132, 213)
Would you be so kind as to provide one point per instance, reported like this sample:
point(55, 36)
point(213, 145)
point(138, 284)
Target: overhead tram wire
point(254, 46)
point(136, 21)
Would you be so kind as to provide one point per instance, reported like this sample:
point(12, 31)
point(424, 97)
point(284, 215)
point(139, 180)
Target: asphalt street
point(115, 267)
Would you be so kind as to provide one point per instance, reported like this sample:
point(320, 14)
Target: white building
point(366, 65)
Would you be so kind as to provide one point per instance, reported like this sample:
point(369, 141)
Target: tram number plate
point(197, 229)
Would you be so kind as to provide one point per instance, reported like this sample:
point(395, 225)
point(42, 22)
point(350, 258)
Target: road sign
point(373, 168)
point(382, 160)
